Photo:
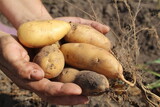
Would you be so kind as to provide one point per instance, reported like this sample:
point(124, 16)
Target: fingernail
point(105, 29)
point(108, 28)
point(37, 75)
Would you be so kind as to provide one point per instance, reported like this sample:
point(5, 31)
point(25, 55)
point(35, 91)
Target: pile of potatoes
point(83, 58)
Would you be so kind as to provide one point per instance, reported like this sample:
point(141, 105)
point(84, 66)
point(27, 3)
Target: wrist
point(21, 11)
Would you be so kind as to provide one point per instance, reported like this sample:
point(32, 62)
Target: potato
point(94, 59)
point(92, 83)
point(51, 60)
point(35, 34)
point(86, 34)
point(68, 75)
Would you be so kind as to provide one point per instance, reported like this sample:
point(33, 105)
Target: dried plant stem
point(133, 19)
point(155, 32)
point(95, 15)
point(118, 17)
point(92, 17)
point(146, 92)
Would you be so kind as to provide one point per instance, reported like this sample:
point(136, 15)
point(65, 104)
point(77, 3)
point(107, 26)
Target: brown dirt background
point(135, 42)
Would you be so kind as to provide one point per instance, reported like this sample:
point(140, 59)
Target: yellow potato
point(90, 57)
point(68, 75)
point(51, 60)
point(86, 34)
point(41, 33)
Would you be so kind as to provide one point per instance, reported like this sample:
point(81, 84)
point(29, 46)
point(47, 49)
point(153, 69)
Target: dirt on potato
point(135, 33)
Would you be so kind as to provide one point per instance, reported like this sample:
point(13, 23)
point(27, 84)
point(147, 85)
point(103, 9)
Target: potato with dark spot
point(51, 60)
point(92, 83)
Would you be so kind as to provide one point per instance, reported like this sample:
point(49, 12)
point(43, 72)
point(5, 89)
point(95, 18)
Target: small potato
point(92, 83)
point(90, 57)
point(68, 75)
point(35, 34)
point(86, 34)
point(51, 60)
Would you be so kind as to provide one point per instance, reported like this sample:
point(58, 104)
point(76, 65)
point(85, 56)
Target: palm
point(15, 64)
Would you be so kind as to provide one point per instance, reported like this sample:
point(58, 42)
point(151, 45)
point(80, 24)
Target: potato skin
point(92, 83)
point(35, 34)
point(86, 56)
point(51, 60)
point(80, 33)
point(68, 75)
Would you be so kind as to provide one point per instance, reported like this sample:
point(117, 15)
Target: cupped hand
point(15, 63)
point(28, 75)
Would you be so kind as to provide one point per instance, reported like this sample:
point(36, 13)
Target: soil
point(135, 33)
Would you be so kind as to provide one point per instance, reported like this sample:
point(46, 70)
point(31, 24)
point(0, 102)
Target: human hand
point(15, 64)
point(98, 26)
point(27, 75)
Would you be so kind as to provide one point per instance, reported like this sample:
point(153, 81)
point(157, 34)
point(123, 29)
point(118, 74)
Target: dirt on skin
point(135, 30)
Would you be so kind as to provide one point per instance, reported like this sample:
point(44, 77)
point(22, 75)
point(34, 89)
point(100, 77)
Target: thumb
point(28, 70)
point(16, 56)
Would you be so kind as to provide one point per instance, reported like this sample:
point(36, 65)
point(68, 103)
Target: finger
point(98, 26)
point(58, 93)
point(48, 88)
point(28, 70)
point(18, 58)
